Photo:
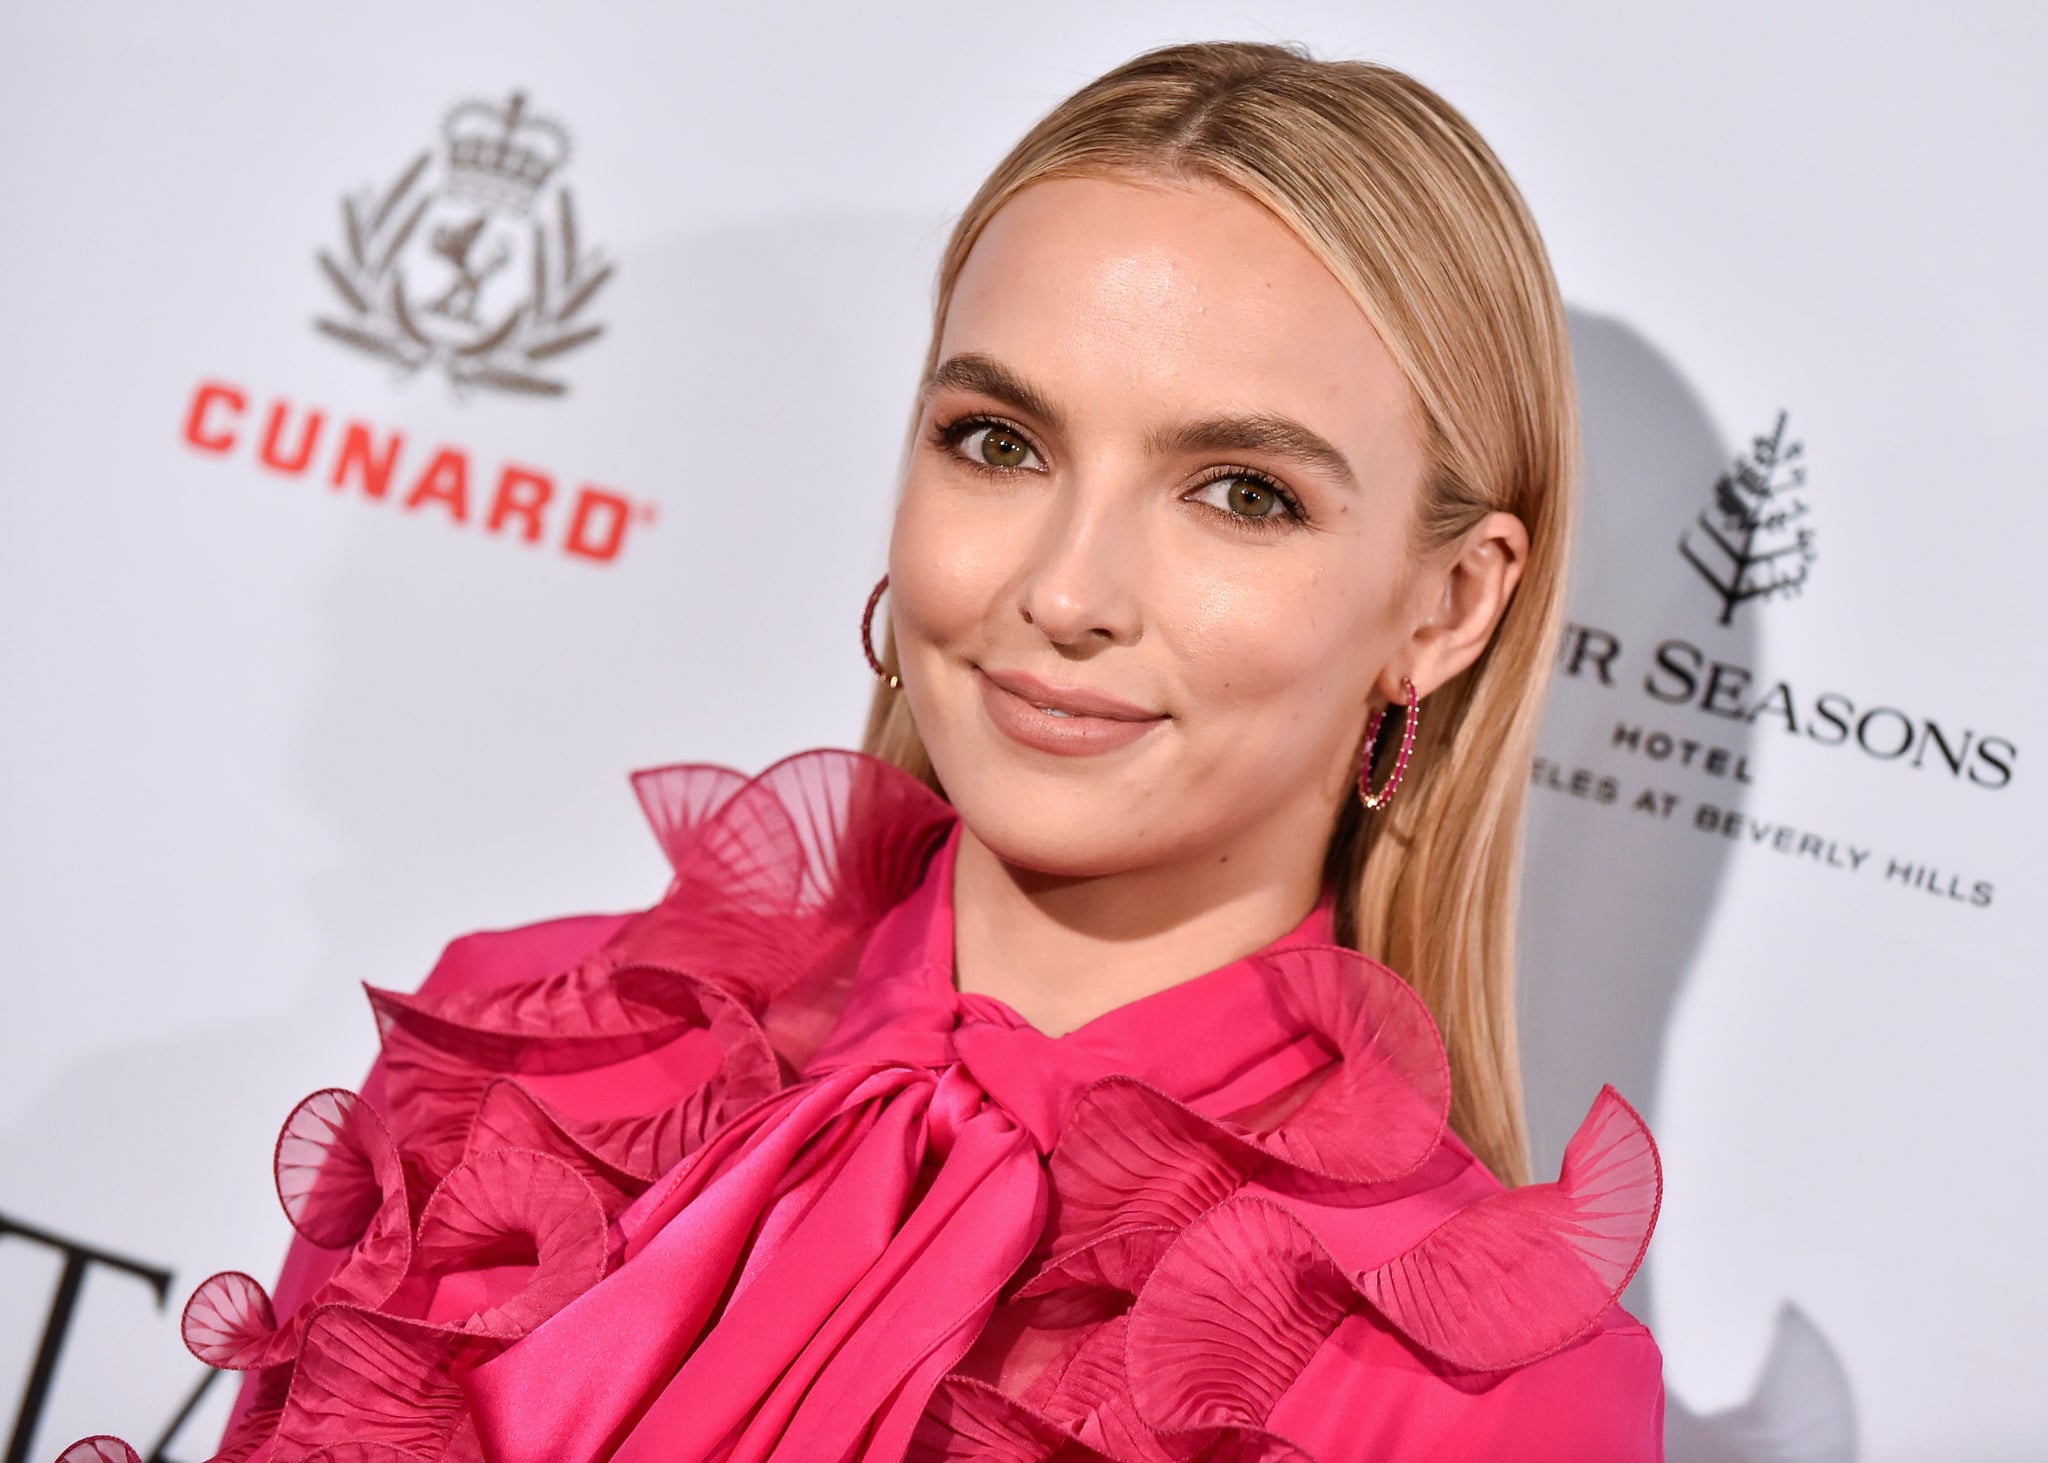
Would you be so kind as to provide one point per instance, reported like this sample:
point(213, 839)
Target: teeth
point(1054, 711)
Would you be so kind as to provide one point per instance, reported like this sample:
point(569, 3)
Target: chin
point(1054, 852)
point(1060, 831)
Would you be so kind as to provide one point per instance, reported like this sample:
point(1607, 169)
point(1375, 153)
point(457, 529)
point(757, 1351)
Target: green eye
point(987, 445)
point(1248, 499)
point(1001, 447)
point(1253, 501)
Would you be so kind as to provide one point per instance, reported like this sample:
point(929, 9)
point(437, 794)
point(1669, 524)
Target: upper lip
point(1078, 700)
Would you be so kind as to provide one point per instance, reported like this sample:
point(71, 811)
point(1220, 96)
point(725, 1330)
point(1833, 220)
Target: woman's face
point(1165, 474)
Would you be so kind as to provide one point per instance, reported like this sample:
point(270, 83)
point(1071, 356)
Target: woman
point(1018, 1088)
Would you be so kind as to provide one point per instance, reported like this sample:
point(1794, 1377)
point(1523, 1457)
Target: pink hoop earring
point(1374, 801)
point(867, 643)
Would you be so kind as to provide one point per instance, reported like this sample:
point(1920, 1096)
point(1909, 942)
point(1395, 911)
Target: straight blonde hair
point(1408, 207)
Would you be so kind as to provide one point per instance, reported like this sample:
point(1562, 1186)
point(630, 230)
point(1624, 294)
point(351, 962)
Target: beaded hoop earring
point(1374, 801)
point(867, 644)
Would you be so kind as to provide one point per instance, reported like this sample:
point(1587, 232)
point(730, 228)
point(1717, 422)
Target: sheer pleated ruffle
point(1176, 1271)
point(1193, 1295)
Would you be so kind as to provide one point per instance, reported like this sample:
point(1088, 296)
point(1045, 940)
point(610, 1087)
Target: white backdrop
point(265, 737)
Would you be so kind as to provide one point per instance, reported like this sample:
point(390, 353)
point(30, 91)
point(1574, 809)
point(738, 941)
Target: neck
point(1061, 951)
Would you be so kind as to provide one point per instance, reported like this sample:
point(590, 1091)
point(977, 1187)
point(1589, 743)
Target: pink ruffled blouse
point(744, 1177)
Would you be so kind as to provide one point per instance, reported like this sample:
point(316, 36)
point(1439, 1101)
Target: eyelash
point(947, 436)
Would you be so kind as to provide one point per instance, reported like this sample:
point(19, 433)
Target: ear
point(1460, 597)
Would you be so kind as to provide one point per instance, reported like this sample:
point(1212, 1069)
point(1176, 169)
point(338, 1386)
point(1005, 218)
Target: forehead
point(1186, 294)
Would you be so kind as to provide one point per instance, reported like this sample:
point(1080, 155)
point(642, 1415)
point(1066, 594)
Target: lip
point(1094, 723)
point(1075, 700)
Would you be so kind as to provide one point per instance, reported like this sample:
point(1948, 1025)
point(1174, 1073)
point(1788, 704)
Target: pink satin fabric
point(853, 1301)
point(745, 1177)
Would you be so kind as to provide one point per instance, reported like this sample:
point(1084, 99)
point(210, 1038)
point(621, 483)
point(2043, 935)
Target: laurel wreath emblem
point(511, 355)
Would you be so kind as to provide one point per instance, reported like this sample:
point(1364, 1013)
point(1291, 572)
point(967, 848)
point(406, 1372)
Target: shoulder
point(611, 1043)
point(1367, 1394)
point(822, 837)
point(1380, 1292)
point(485, 959)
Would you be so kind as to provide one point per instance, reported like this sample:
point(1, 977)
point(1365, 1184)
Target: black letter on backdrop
point(192, 1400)
point(58, 1323)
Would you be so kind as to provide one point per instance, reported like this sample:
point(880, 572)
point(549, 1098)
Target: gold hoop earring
point(867, 644)
point(1374, 801)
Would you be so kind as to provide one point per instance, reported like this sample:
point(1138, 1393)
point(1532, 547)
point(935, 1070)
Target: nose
point(1082, 579)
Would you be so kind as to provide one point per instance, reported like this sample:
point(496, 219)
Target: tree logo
point(473, 269)
point(1754, 544)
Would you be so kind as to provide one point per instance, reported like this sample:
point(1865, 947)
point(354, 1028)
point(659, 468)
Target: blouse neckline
point(1216, 1040)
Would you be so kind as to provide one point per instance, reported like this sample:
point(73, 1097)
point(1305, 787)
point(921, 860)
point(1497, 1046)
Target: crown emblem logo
point(499, 156)
point(475, 269)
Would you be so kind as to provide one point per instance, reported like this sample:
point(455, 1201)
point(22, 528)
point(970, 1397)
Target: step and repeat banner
point(416, 418)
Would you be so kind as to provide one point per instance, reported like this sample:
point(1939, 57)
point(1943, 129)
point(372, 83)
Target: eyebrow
point(972, 371)
point(1263, 432)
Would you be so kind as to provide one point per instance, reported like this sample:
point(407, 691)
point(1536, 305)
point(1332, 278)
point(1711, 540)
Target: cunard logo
point(474, 268)
point(1750, 541)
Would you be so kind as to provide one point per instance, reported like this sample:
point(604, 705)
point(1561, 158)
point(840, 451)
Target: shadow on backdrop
point(1615, 900)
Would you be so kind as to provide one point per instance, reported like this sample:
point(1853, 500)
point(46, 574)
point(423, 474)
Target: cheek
point(1295, 645)
point(944, 570)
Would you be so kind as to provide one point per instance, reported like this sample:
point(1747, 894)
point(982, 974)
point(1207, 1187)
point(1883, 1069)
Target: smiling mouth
point(1068, 703)
point(1085, 723)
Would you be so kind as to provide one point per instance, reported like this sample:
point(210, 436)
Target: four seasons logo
point(474, 269)
point(1753, 544)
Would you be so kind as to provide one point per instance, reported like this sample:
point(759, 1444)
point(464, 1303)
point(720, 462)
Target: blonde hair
point(1407, 206)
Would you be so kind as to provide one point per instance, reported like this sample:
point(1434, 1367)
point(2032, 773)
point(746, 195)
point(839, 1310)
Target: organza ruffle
point(1175, 1270)
point(1191, 1294)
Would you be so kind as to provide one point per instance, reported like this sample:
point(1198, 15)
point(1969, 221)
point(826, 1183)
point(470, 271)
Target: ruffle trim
point(1187, 1296)
point(1200, 1301)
